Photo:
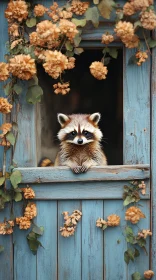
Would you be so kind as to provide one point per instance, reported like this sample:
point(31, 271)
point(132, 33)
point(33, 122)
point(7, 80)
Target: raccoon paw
point(84, 168)
point(77, 169)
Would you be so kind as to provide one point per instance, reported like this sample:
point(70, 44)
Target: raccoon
point(80, 139)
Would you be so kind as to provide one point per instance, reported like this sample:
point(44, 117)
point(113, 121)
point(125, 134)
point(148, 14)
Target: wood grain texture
point(114, 243)
point(47, 256)
point(92, 241)
point(136, 109)
point(69, 249)
point(63, 174)
point(24, 260)
point(153, 162)
point(90, 190)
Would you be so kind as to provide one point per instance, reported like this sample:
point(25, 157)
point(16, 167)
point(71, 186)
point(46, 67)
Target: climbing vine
point(51, 36)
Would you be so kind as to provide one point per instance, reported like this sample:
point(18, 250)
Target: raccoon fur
point(80, 139)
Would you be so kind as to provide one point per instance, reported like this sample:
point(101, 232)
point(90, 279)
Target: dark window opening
point(87, 95)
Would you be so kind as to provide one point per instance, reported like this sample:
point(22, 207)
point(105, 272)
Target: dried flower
point(13, 30)
point(5, 127)
point(6, 227)
point(65, 14)
point(15, 43)
point(5, 143)
point(124, 29)
point(28, 193)
point(22, 66)
point(35, 40)
point(68, 28)
point(148, 274)
point(141, 4)
point(5, 106)
point(100, 222)
point(131, 42)
point(4, 73)
point(107, 39)
point(129, 9)
point(30, 211)
point(134, 214)
point(98, 70)
point(148, 20)
point(39, 10)
point(67, 231)
point(78, 7)
point(70, 223)
point(55, 63)
point(23, 222)
point(16, 10)
point(71, 63)
point(61, 88)
point(113, 220)
point(144, 233)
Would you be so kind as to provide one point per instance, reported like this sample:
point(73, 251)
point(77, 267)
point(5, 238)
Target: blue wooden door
point(90, 254)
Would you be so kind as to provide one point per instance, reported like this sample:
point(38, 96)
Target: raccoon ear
point(95, 117)
point(62, 119)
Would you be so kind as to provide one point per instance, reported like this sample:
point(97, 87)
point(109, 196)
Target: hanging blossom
point(16, 10)
point(98, 70)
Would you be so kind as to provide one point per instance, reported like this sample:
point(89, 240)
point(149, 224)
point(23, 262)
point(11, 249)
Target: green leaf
point(38, 230)
point(107, 60)
point(34, 94)
point(30, 22)
point(136, 276)
point(6, 197)
point(141, 242)
point(105, 7)
point(151, 43)
point(69, 46)
point(131, 254)
point(128, 230)
point(77, 40)
point(113, 52)
point(137, 24)
point(8, 89)
point(33, 81)
point(132, 60)
point(93, 15)
point(17, 88)
point(104, 227)
point(15, 178)
point(136, 253)
point(1, 248)
point(128, 200)
point(79, 22)
point(2, 180)
point(18, 196)
point(78, 50)
point(10, 137)
point(69, 54)
point(126, 257)
point(34, 245)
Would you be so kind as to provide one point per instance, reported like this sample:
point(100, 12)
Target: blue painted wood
point(136, 111)
point(90, 190)
point(24, 260)
point(92, 241)
point(6, 257)
point(62, 174)
point(142, 262)
point(47, 256)
point(153, 161)
point(114, 243)
point(69, 249)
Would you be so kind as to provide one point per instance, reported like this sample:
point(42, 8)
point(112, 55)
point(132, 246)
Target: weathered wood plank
point(90, 190)
point(153, 162)
point(63, 174)
point(69, 249)
point(47, 256)
point(24, 260)
point(114, 243)
point(92, 241)
point(136, 145)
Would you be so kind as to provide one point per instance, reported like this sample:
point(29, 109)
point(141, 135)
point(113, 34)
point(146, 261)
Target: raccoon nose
point(79, 141)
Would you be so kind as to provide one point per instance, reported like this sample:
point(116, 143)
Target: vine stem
point(146, 42)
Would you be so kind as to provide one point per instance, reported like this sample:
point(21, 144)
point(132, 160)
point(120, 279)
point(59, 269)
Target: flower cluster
point(125, 31)
point(61, 88)
point(13, 30)
point(5, 127)
point(107, 39)
point(29, 213)
point(57, 13)
point(148, 274)
point(6, 227)
point(5, 106)
point(134, 214)
point(16, 10)
point(68, 28)
point(4, 73)
point(148, 19)
point(98, 70)
point(70, 223)
point(22, 66)
point(134, 6)
point(28, 193)
point(142, 186)
point(112, 221)
point(78, 7)
point(144, 233)
point(39, 10)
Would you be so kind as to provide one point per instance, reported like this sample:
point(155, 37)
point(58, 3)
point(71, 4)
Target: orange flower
point(98, 70)
point(5, 106)
point(16, 10)
point(134, 214)
point(22, 66)
point(4, 73)
point(23, 222)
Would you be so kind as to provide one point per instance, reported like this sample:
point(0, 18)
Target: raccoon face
point(79, 129)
